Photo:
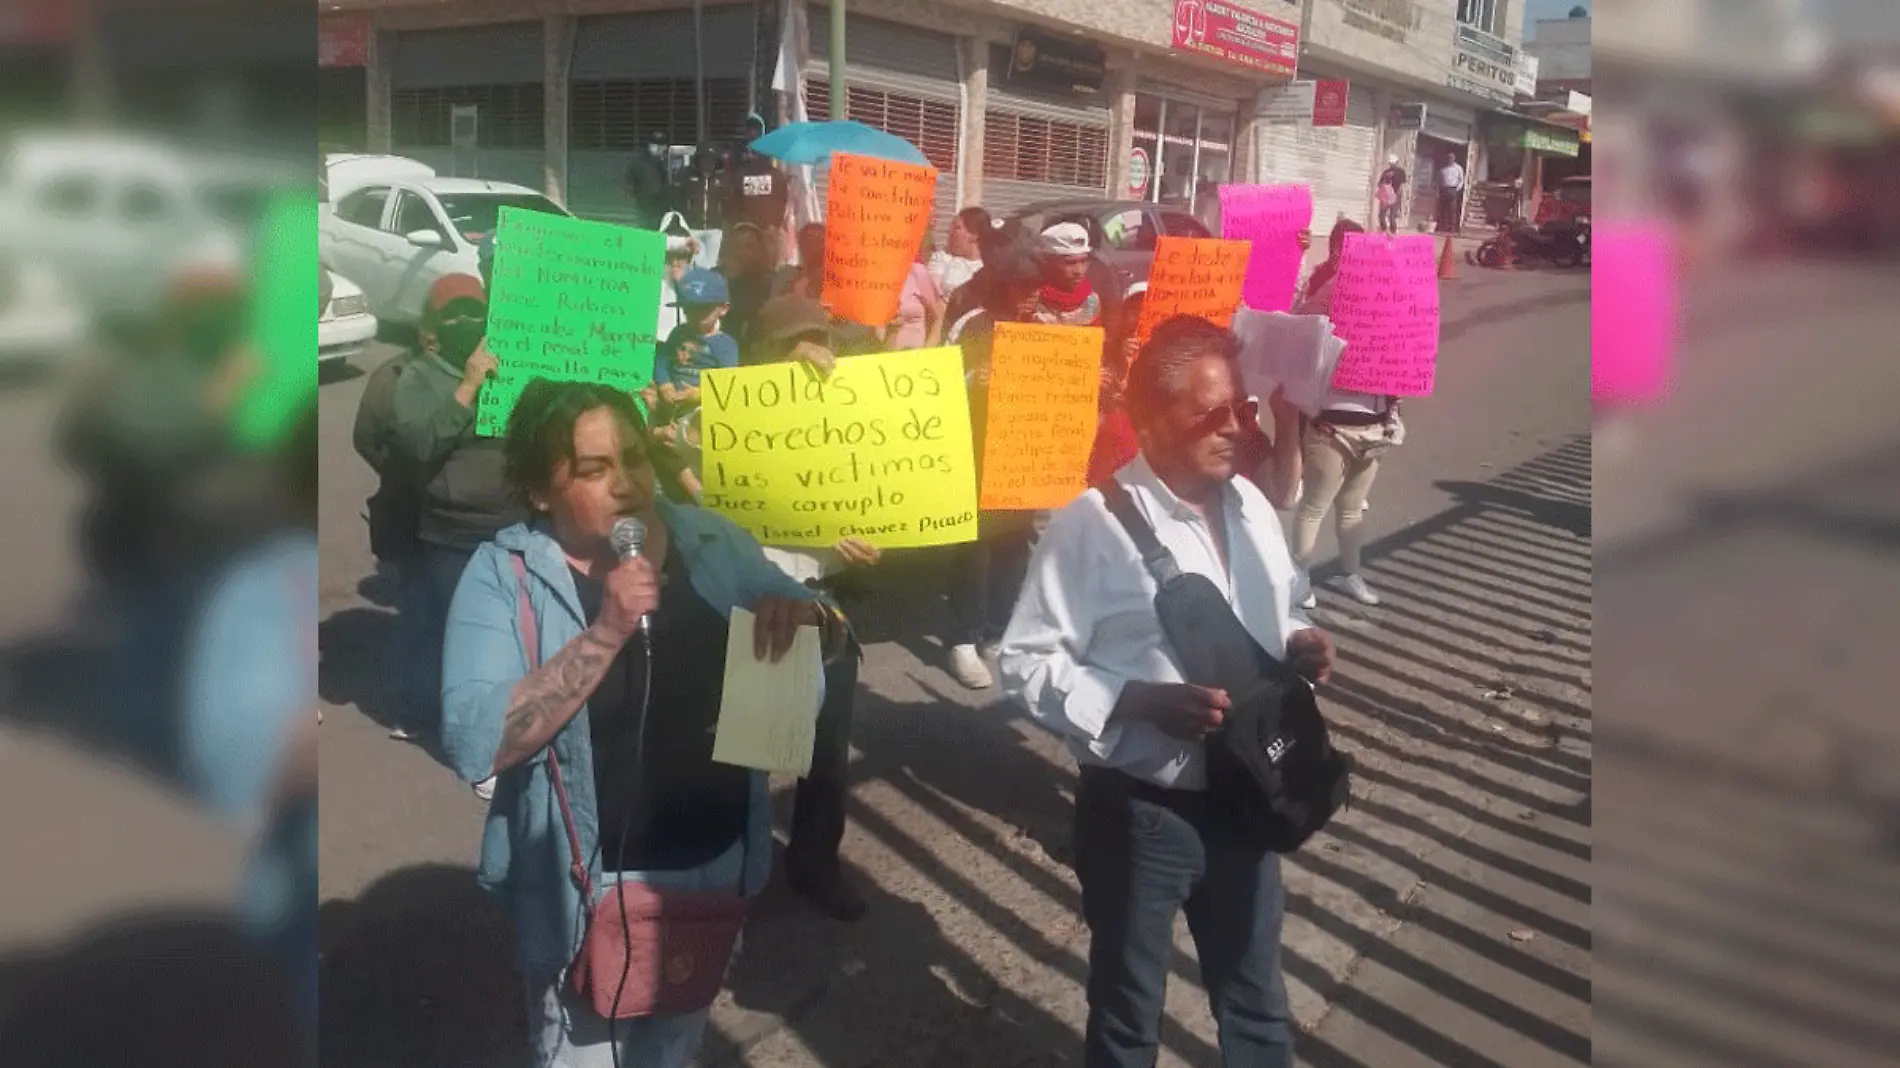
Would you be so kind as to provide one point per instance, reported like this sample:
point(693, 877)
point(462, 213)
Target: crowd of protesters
point(503, 545)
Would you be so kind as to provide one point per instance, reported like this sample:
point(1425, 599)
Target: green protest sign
point(572, 300)
point(283, 326)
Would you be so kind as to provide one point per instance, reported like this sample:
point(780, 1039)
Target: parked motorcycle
point(1562, 243)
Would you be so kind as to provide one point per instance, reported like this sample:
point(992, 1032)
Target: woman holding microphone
point(588, 680)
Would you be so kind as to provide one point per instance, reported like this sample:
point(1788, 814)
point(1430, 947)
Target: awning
point(1525, 131)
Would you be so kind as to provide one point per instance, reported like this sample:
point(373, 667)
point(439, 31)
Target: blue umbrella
point(812, 143)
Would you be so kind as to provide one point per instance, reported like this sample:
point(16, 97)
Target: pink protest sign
point(1271, 218)
point(1632, 312)
point(1385, 308)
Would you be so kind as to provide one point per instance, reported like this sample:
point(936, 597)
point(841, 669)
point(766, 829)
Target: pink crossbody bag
point(647, 951)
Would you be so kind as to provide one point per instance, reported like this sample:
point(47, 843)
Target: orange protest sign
point(876, 214)
point(1044, 382)
point(1194, 276)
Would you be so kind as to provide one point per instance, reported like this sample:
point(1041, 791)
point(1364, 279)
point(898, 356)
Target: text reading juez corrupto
point(880, 449)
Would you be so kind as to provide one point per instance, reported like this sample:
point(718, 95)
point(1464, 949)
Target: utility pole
point(840, 108)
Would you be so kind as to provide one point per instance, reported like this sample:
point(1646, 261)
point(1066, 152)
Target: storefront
point(469, 101)
point(1045, 122)
point(1185, 144)
point(343, 82)
point(1446, 134)
point(633, 75)
point(1338, 161)
point(1518, 149)
point(901, 79)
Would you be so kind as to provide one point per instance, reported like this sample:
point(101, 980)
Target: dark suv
point(1122, 232)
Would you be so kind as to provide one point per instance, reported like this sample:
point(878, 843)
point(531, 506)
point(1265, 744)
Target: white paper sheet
point(768, 718)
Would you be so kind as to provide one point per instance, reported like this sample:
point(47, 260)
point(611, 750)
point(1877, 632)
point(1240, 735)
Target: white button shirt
point(1085, 623)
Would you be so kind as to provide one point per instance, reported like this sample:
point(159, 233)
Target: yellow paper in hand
point(768, 718)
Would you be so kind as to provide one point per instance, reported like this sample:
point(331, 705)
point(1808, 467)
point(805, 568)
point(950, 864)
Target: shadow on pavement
point(417, 971)
point(170, 990)
point(1465, 696)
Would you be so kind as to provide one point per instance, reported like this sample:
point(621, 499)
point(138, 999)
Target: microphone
point(628, 537)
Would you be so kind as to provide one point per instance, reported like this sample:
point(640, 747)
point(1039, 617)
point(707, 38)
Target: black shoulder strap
point(1159, 560)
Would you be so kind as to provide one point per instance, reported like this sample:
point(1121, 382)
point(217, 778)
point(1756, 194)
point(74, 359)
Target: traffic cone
point(1447, 263)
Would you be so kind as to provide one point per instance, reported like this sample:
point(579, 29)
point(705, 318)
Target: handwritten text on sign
point(876, 215)
point(1044, 383)
point(572, 301)
point(1270, 217)
point(1385, 308)
point(1194, 276)
point(880, 450)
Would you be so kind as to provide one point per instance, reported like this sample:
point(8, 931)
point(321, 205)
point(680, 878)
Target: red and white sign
point(1319, 103)
point(1329, 102)
point(343, 40)
point(1238, 35)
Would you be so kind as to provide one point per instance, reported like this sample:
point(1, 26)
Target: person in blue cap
point(697, 344)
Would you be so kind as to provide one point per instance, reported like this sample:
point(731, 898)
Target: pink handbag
point(647, 951)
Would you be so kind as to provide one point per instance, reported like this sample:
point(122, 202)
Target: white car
point(397, 236)
point(344, 325)
point(40, 323)
point(115, 216)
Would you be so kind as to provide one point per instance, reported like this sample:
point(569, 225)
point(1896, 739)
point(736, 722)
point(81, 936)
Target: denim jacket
point(524, 852)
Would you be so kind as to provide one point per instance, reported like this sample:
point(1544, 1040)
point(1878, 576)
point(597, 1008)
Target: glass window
point(1180, 224)
point(1129, 231)
point(412, 214)
point(72, 195)
point(364, 207)
point(1482, 14)
point(474, 215)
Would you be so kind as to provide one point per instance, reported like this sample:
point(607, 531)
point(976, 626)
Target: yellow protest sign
point(880, 450)
point(1044, 383)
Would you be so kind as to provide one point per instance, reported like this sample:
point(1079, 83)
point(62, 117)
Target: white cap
point(1065, 239)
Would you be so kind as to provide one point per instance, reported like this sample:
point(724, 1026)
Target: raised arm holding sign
point(1270, 218)
point(1385, 308)
point(876, 215)
point(1194, 276)
point(571, 301)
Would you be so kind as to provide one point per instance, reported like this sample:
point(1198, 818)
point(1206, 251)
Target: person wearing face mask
point(648, 182)
point(464, 495)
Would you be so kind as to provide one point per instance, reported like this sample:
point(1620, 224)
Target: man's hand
point(818, 357)
point(632, 590)
point(1189, 713)
point(776, 621)
point(1310, 651)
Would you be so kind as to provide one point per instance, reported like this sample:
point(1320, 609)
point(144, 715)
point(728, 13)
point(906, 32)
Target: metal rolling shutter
point(496, 68)
point(1038, 148)
point(659, 44)
point(1336, 162)
point(508, 54)
point(901, 80)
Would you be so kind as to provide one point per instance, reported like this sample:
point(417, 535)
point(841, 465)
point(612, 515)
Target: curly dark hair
point(541, 434)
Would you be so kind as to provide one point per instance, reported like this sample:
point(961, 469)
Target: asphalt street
point(1444, 920)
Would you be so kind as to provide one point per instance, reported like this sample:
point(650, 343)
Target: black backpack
point(1271, 767)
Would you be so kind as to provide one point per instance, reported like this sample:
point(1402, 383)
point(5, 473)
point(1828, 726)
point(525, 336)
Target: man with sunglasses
point(1086, 654)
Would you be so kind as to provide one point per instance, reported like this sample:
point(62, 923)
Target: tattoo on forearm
point(549, 696)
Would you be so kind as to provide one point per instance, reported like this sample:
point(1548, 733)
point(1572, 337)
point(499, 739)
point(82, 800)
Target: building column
point(976, 106)
point(557, 61)
point(1121, 126)
point(376, 89)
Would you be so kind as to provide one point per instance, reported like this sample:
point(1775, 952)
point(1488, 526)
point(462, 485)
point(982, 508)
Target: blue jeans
point(565, 1032)
point(431, 577)
point(1143, 855)
point(417, 645)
